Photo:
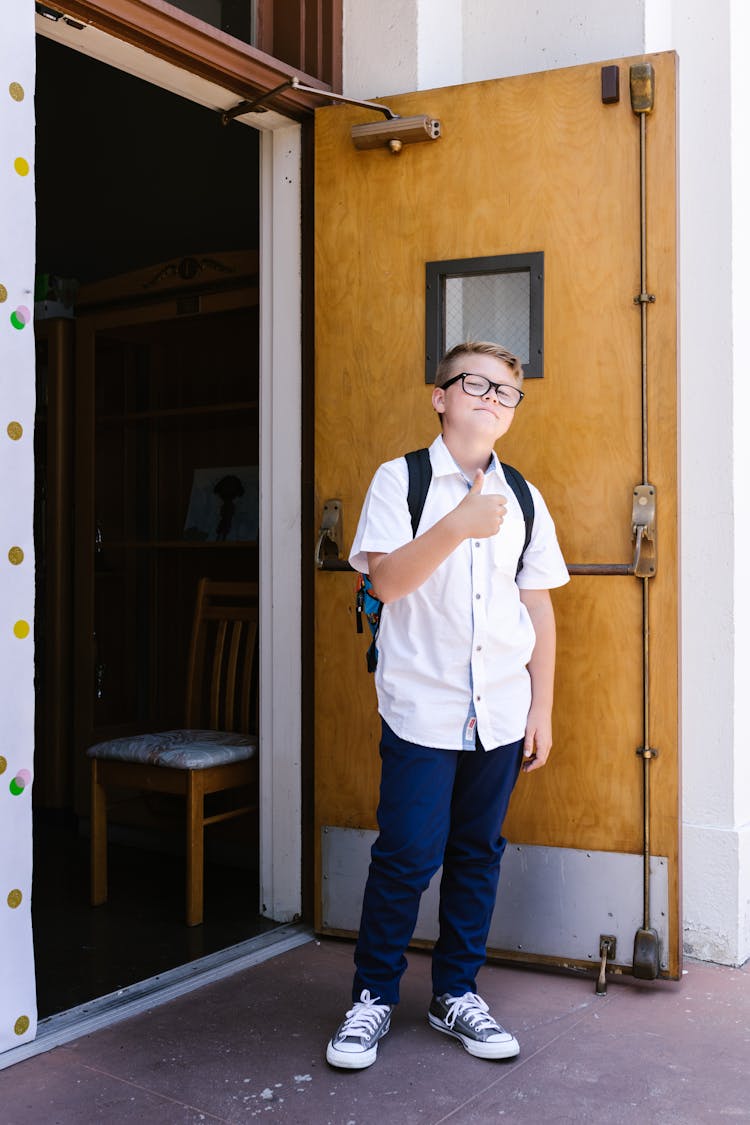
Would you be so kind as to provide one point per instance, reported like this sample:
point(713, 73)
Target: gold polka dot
point(21, 1026)
point(15, 555)
point(15, 431)
point(3, 764)
point(3, 294)
point(21, 629)
point(14, 898)
point(16, 91)
point(21, 166)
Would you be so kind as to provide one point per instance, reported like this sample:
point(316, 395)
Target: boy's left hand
point(537, 742)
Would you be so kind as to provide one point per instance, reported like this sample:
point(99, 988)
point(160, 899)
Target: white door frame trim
point(280, 524)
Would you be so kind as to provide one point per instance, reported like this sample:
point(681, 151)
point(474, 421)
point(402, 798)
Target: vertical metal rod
point(644, 371)
point(644, 464)
point(646, 945)
point(646, 767)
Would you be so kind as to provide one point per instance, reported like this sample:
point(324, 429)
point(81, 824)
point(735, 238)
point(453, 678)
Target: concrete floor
point(252, 1047)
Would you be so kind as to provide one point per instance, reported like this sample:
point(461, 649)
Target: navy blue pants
point(436, 806)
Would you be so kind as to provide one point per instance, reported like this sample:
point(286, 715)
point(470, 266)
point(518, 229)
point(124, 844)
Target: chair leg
point(98, 836)
point(194, 850)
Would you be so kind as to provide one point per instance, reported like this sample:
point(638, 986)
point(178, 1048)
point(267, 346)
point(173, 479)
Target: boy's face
point(474, 417)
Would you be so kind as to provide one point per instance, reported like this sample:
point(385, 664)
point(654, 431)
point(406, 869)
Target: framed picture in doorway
point(223, 505)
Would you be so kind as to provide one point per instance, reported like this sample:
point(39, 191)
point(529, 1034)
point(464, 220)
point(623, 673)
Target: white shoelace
point(364, 1017)
point(473, 1009)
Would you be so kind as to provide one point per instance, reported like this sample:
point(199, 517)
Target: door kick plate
point(552, 902)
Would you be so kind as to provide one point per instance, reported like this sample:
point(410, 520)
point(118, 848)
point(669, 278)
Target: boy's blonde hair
point(476, 347)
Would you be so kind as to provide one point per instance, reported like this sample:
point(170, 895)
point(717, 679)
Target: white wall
point(380, 47)
point(525, 35)
point(739, 38)
point(711, 618)
point(17, 383)
point(504, 37)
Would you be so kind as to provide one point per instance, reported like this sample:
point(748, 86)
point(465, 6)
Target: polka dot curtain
point(17, 990)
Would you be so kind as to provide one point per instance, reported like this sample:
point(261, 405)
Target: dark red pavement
point(252, 1047)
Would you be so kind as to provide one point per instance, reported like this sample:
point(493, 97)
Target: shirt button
point(479, 648)
point(477, 596)
point(477, 544)
point(479, 699)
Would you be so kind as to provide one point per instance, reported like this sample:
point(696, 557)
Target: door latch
point(607, 952)
point(644, 530)
point(330, 536)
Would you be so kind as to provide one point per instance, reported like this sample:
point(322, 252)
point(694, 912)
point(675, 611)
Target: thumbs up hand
point(480, 516)
point(478, 482)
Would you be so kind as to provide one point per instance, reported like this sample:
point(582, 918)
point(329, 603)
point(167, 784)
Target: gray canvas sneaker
point(355, 1044)
point(467, 1018)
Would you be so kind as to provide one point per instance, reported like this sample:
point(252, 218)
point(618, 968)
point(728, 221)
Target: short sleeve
point(384, 523)
point(543, 564)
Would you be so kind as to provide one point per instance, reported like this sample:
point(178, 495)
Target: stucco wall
point(17, 988)
point(739, 37)
point(526, 36)
point(380, 47)
point(711, 621)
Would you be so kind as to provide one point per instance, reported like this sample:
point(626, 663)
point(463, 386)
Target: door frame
point(280, 422)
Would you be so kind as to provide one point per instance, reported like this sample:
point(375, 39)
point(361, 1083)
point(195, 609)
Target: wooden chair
point(217, 751)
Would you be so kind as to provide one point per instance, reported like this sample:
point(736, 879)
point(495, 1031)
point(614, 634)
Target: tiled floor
point(252, 1047)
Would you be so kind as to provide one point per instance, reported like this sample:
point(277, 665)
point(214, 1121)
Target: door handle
point(330, 535)
point(644, 530)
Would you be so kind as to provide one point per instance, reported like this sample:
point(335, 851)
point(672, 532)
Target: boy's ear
point(438, 399)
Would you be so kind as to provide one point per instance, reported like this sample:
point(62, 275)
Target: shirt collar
point(443, 463)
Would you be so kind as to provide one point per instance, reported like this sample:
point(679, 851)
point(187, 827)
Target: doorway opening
point(136, 187)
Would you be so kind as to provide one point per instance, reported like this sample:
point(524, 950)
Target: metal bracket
point(330, 534)
point(607, 952)
point(256, 105)
point(642, 88)
point(644, 299)
point(644, 530)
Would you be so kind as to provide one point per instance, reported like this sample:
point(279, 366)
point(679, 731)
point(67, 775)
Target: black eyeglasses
point(478, 386)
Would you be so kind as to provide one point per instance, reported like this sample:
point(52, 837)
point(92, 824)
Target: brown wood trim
point(168, 33)
point(305, 32)
point(308, 527)
point(337, 44)
point(264, 25)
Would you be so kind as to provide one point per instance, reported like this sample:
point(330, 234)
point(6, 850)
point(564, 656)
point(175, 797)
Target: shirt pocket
point(507, 545)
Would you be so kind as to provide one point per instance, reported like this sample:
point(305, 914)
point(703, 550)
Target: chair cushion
point(179, 749)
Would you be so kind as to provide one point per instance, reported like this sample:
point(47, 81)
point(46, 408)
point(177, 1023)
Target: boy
point(464, 681)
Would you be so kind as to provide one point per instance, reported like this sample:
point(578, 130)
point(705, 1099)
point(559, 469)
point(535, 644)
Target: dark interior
point(131, 177)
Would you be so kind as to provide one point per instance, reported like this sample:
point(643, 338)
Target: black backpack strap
point(523, 495)
point(420, 475)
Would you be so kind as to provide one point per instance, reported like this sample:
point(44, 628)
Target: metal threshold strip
point(136, 998)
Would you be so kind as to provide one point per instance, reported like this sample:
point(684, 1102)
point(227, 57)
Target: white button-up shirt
point(464, 633)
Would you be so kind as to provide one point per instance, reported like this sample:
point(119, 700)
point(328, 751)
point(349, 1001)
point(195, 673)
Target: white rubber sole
point(506, 1049)
point(351, 1060)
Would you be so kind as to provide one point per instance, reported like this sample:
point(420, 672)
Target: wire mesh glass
point(490, 307)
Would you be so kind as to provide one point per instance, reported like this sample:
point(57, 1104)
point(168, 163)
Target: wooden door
point(525, 164)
